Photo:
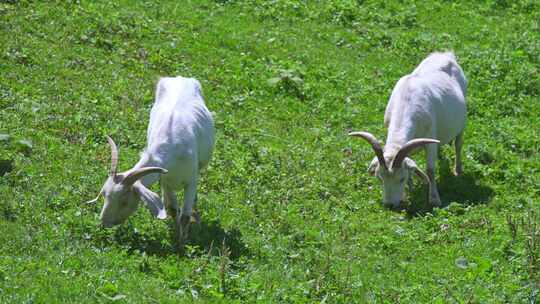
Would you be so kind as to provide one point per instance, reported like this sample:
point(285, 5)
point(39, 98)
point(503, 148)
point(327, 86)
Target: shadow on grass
point(138, 242)
point(465, 189)
point(6, 166)
point(208, 236)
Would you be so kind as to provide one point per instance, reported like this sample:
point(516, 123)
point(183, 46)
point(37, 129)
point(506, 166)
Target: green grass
point(289, 214)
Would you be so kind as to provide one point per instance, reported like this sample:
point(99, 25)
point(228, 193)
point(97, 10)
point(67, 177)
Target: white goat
point(425, 108)
point(180, 143)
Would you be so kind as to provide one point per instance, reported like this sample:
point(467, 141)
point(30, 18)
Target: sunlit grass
point(289, 213)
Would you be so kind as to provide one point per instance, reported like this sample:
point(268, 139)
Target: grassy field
point(289, 214)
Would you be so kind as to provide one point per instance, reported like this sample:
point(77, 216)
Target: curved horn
point(374, 144)
point(114, 157)
point(134, 176)
point(409, 147)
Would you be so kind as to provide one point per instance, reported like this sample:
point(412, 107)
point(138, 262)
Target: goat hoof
point(182, 227)
point(171, 212)
point(435, 202)
point(185, 220)
point(195, 218)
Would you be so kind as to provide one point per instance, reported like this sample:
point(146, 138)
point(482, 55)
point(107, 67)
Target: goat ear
point(151, 200)
point(411, 165)
point(373, 166)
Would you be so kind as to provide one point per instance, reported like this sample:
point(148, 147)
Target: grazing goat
point(426, 108)
point(180, 143)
